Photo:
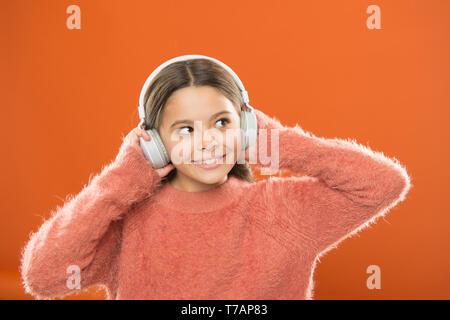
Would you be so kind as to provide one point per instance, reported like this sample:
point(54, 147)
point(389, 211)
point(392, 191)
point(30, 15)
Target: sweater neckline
point(203, 201)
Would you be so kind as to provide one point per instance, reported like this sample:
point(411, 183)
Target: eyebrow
point(190, 121)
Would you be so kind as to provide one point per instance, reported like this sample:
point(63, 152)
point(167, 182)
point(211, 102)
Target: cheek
point(181, 151)
point(232, 139)
point(179, 148)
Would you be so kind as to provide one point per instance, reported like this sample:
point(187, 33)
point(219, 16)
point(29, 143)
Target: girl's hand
point(162, 172)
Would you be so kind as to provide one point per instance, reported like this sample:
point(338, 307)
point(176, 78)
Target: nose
point(208, 142)
point(207, 139)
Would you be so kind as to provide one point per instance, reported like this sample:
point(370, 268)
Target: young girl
point(189, 231)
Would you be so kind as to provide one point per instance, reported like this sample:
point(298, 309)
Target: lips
point(209, 161)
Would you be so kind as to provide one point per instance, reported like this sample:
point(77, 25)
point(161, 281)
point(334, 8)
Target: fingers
point(142, 133)
point(164, 171)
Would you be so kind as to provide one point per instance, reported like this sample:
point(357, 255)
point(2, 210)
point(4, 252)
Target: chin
point(211, 176)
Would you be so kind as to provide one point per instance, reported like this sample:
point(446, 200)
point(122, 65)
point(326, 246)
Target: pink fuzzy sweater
point(144, 239)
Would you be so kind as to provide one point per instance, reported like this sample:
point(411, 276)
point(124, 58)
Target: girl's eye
point(225, 120)
point(180, 130)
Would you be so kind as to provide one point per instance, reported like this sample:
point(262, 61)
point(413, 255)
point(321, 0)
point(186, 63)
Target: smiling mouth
point(209, 161)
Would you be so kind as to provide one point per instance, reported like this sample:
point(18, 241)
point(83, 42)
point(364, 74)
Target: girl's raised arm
point(346, 186)
point(84, 234)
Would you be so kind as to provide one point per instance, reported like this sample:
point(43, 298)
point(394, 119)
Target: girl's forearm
point(365, 176)
point(72, 235)
point(351, 186)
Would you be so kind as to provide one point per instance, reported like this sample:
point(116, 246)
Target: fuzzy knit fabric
point(144, 239)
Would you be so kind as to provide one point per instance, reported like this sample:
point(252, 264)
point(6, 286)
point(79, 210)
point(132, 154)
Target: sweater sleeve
point(84, 234)
point(345, 186)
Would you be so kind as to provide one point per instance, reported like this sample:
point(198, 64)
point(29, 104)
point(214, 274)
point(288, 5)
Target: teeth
point(210, 161)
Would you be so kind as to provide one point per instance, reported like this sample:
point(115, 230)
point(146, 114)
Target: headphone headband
point(183, 58)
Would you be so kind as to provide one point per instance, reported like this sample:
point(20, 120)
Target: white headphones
point(154, 149)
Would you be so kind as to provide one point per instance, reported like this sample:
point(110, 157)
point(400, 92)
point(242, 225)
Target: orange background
point(70, 95)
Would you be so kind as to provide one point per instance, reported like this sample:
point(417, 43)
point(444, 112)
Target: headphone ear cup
point(249, 127)
point(154, 150)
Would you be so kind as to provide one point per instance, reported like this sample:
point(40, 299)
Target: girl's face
point(200, 123)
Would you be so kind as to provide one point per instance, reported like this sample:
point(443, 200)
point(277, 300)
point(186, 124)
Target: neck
point(218, 197)
point(182, 182)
